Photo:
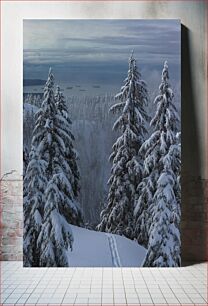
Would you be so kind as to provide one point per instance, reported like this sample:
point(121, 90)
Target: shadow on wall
point(194, 202)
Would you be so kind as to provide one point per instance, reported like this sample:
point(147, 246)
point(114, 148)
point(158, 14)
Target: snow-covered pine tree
point(35, 183)
point(144, 205)
point(127, 169)
point(142, 211)
point(162, 161)
point(56, 238)
point(25, 159)
point(29, 99)
point(51, 139)
point(175, 151)
point(71, 154)
point(61, 207)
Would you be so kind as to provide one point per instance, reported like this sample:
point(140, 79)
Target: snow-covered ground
point(96, 249)
point(29, 108)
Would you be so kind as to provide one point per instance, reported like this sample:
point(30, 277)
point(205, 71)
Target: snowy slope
point(96, 249)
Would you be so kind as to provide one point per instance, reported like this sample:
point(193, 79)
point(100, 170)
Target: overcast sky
point(97, 51)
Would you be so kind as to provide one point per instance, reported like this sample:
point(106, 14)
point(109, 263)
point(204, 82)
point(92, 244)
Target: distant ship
point(69, 87)
point(82, 90)
point(77, 85)
point(96, 86)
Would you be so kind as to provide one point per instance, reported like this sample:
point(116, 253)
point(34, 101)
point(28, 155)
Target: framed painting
point(101, 142)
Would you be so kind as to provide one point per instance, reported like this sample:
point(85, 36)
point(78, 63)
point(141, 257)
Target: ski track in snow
point(114, 250)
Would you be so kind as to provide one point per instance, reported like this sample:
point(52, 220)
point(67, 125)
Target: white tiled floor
point(107, 286)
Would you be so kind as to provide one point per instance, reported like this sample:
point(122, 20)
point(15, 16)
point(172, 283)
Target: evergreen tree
point(142, 211)
point(127, 169)
point(25, 159)
point(71, 154)
point(162, 163)
point(144, 205)
point(29, 99)
point(51, 141)
point(35, 183)
point(37, 100)
point(56, 238)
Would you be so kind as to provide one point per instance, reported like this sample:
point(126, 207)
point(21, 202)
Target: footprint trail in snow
point(114, 250)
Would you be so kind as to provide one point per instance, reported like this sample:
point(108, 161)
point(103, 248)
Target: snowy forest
point(102, 175)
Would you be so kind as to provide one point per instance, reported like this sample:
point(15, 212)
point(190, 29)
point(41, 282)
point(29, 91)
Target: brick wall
point(194, 224)
point(11, 221)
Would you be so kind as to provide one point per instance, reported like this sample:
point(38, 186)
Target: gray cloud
point(121, 40)
point(98, 45)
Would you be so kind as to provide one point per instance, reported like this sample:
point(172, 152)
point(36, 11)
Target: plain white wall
point(191, 13)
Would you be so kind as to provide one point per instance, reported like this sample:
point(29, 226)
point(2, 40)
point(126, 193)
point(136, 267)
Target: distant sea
point(77, 89)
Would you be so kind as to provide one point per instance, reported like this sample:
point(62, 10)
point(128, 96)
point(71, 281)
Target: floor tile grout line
point(125, 277)
point(37, 284)
point(160, 291)
point(69, 284)
point(123, 284)
point(147, 286)
point(186, 294)
point(171, 289)
point(135, 288)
